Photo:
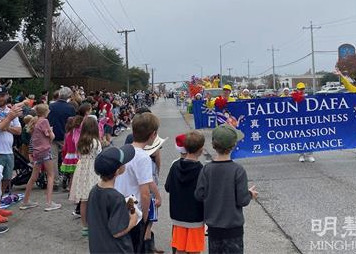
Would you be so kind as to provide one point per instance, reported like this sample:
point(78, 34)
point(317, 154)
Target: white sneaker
point(301, 158)
point(311, 158)
point(52, 206)
point(28, 205)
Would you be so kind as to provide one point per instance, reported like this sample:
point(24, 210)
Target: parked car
point(259, 93)
point(269, 93)
point(331, 90)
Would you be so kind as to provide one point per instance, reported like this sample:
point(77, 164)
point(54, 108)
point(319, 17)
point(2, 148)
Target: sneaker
point(301, 158)
point(76, 215)
point(28, 205)
point(311, 158)
point(3, 229)
point(52, 206)
point(5, 213)
point(3, 219)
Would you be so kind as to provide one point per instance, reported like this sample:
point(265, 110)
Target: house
point(13, 61)
point(292, 81)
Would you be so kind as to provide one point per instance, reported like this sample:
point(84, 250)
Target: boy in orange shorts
point(186, 212)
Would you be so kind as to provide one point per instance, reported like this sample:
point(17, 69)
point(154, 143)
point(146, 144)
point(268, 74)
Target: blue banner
point(275, 126)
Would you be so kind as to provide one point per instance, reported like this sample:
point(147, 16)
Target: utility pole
point(48, 45)
point(249, 62)
point(146, 65)
point(152, 74)
point(126, 32)
point(230, 69)
point(312, 27)
point(273, 50)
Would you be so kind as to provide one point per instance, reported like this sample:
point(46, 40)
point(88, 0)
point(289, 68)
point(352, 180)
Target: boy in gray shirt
point(223, 187)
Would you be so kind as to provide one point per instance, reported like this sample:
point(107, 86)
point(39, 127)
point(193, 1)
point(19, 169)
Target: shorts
point(8, 162)
point(108, 129)
point(41, 160)
point(188, 239)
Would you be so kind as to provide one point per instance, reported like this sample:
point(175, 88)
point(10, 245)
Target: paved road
point(291, 194)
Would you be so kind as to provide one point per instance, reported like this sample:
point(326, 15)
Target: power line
point(337, 21)
point(90, 43)
point(284, 65)
point(111, 16)
point(292, 41)
point(294, 62)
point(96, 37)
point(264, 72)
point(99, 12)
point(341, 24)
point(133, 27)
point(125, 13)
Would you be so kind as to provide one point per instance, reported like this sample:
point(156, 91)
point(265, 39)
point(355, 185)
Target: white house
point(13, 61)
point(292, 81)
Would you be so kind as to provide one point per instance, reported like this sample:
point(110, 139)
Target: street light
point(220, 47)
point(201, 70)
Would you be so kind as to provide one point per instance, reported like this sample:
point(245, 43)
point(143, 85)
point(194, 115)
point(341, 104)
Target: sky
point(178, 38)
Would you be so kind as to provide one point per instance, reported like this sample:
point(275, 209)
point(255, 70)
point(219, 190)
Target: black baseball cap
point(3, 90)
point(111, 158)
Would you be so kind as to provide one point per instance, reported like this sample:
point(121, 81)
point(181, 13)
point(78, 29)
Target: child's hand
point(133, 219)
point(158, 202)
point(253, 192)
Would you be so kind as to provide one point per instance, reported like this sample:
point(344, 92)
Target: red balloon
point(220, 102)
point(298, 96)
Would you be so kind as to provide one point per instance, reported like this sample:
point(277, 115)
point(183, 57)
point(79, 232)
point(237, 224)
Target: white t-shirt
point(6, 138)
point(138, 172)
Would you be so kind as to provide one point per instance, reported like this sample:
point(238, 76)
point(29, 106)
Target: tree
point(27, 16)
point(328, 77)
point(348, 66)
point(11, 15)
point(138, 79)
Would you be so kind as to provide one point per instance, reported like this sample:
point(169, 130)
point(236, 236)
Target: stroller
point(23, 169)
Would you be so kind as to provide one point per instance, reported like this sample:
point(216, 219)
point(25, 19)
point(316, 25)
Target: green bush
point(30, 86)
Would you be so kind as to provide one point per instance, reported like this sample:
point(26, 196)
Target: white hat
point(246, 90)
point(286, 89)
point(157, 144)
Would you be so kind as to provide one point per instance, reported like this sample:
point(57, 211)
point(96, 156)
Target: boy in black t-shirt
point(108, 216)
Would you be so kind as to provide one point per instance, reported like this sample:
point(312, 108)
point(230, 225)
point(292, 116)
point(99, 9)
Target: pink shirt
point(40, 139)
